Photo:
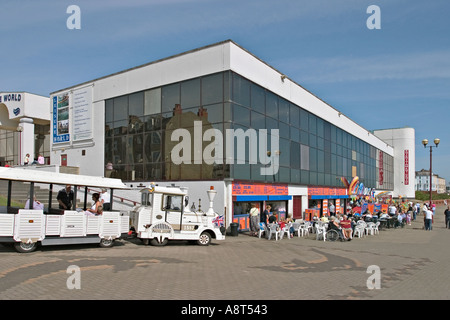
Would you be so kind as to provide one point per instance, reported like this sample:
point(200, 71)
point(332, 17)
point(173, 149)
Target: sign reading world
point(14, 102)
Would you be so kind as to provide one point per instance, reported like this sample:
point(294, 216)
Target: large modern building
point(219, 116)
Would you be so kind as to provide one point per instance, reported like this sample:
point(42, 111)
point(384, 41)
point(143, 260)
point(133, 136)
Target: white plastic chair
point(262, 229)
point(296, 226)
point(359, 230)
point(285, 230)
point(369, 228)
point(375, 227)
point(320, 231)
point(361, 223)
point(303, 230)
point(273, 229)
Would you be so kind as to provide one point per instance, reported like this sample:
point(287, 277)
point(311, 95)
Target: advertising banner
point(61, 104)
point(82, 114)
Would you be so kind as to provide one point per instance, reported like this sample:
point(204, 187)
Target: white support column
point(27, 139)
point(228, 196)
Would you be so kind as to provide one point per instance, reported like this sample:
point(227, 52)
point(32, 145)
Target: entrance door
point(172, 205)
point(64, 160)
point(297, 207)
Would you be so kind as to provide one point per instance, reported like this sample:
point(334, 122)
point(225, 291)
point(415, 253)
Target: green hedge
point(425, 196)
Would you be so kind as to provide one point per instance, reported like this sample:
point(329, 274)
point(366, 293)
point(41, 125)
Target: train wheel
point(205, 239)
point(155, 242)
point(23, 247)
point(105, 243)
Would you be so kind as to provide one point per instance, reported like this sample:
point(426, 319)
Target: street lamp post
point(436, 142)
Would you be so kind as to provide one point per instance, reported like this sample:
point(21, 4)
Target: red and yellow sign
point(259, 189)
point(317, 191)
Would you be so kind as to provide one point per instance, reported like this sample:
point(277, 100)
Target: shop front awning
point(329, 197)
point(250, 198)
point(279, 198)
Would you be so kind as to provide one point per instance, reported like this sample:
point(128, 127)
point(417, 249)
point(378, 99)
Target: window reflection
point(212, 89)
point(139, 128)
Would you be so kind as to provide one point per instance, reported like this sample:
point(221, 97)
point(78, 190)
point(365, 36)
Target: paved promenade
point(413, 264)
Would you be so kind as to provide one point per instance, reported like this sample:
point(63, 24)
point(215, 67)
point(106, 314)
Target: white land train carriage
point(164, 215)
point(28, 227)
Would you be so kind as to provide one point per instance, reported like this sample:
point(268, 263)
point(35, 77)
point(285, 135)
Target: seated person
point(272, 219)
point(384, 215)
point(346, 225)
point(282, 223)
point(97, 208)
point(335, 225)
point(36, 204)
point(324, 219)
point(368, 216)
point(401, 217)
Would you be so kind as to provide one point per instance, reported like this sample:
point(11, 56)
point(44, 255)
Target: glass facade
point(141, 139)
point(10, 141)
point(9, 151)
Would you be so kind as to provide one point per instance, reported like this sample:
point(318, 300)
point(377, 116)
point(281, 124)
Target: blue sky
point(393, 77)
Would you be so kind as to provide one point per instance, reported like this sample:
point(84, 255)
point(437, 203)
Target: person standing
point(254, 220)
point(447, 217)
point(105, 199)
point(428, 218)
point(416, 210)
point(392, 210)
point(265, 215)
point(332, 209)
point(65, 198)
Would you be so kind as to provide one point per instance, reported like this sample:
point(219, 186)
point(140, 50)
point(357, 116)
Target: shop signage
point(10, 97)
point(327, 192)
point(406, 167)
point(259, 189)
point(61, 118)
point(82, 114)
point(380, 168)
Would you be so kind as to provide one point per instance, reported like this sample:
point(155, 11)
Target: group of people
point(65, 197)
point(342, 223)
point(266, 217)
point(404, 213)
point(40, 159)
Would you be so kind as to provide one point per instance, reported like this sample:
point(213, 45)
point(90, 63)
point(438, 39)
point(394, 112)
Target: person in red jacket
point(346, 226)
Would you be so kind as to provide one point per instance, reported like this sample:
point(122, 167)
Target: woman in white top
point(97, 208)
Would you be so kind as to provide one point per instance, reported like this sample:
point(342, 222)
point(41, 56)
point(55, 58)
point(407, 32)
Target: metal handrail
point(122, 199)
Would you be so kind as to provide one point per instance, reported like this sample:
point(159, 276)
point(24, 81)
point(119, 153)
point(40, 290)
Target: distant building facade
point(438, 184)
point(24, 127)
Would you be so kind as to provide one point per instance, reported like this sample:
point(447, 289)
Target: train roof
point(39, 176)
